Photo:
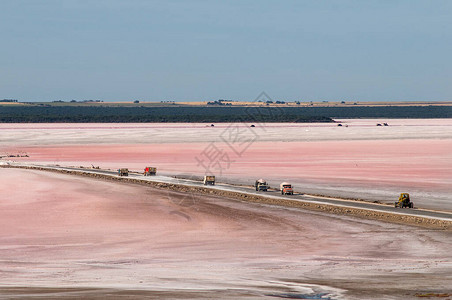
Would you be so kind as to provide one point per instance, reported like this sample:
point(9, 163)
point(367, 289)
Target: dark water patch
point(322, 296)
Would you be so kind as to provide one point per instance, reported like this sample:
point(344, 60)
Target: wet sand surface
point(65, 236)
point(362, 160)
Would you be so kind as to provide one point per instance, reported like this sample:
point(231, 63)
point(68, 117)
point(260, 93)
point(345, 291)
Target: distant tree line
point(104, 114)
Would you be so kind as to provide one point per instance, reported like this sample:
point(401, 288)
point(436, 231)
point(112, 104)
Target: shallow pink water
point(425, 162)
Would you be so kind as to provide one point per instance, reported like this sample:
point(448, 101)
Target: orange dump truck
point(286, 188)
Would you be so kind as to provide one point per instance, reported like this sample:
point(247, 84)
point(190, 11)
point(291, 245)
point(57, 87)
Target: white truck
point(261, 185)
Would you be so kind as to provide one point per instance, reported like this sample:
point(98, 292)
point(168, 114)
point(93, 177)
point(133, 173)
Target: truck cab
point(209, 180)
point(261, 185)
point(148, 171)
point(286, 188)
point(123, 172)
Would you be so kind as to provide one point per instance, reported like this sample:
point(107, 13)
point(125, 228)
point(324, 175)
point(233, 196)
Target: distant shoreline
point(100, 112)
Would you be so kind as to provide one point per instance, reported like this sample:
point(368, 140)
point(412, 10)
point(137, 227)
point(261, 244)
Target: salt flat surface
point(356, 160)
point(146, 133)
point(80, 235)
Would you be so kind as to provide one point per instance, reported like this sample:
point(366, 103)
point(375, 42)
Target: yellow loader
point(404, 201)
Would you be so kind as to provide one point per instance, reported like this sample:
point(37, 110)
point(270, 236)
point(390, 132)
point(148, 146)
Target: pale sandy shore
point(72, 237)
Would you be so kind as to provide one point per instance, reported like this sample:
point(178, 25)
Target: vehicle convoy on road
point(261, 185)
point(123, 172)
point(404, 201)
point(149, 171)
point(441, 219)
point(209, 180)
point(286, 188)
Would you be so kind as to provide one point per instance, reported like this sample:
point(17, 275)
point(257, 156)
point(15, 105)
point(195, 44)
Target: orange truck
point(286, 188)
point(149, 171)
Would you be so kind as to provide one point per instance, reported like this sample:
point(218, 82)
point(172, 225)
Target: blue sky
point(234, 49)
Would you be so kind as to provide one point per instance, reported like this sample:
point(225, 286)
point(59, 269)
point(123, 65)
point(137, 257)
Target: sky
point(202, 50)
